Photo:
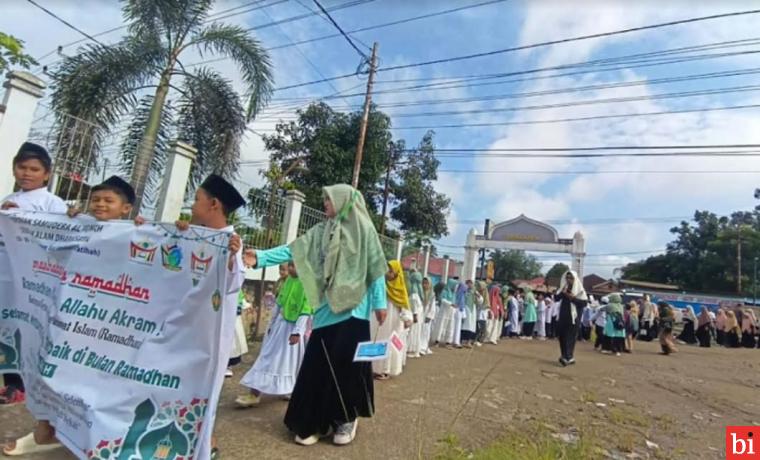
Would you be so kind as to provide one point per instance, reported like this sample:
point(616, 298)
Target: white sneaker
point(345, 433)
point(228, 373)
point(310, 441)
point(429, 352)
point(478, 344)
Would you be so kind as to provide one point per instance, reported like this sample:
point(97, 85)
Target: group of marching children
point(111, 200)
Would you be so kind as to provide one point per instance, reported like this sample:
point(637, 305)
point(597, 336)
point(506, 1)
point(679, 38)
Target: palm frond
point(133, 138)
point(166, 18)
point(252, 59)
point(97, 86)
point(211, 119)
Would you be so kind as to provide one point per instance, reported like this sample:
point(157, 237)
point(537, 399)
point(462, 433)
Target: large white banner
point(115, 330)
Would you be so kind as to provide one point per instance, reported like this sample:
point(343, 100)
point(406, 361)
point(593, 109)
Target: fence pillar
point(22, 93)
point(399, 249)
point(172, 197)
point(293, 207)
point(445, 274)
point(426, 263)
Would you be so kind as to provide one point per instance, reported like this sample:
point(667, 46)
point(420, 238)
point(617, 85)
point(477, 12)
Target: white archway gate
point(525, 234)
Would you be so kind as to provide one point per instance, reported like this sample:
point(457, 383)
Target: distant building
point(435, 266)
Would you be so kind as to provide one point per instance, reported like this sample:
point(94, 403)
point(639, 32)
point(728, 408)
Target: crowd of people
point(337, 291)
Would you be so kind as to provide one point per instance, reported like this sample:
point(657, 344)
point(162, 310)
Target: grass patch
point(621, 416)
point(589, 397)
point(533, 442)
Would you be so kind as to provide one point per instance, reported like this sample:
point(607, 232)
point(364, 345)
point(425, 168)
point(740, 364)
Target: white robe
point(415, 331)
point(495, 326)
point(443, 325)
point(514, 320)
point(394, 364)
point(37, 200)
point(277, 365)
point(541, 326)
point(456, 335)
point(429, 315)
point(235, 279)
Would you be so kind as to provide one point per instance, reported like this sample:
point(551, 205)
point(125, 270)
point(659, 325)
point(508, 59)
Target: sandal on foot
point(27, 445)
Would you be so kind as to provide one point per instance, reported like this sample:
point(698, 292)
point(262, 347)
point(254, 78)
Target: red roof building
point(435, 266)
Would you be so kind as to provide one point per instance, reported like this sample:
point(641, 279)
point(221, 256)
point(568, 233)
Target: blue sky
point(578, 202)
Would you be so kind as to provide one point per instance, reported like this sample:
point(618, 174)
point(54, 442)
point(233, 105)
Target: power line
point(65, 22)
point(589, 118)
point(654, 97)
point(310, 14)
point(592, 172)
point(597, 148)
point(348, 39)
point(554, 42)
point(721, 154)
point(572, 39)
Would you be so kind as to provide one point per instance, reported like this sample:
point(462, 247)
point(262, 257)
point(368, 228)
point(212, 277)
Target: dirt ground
point(681, 403)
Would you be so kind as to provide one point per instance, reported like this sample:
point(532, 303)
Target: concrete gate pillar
point(22, 93)
point(172, 197)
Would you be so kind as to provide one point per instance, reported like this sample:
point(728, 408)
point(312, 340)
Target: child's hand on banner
point(182, 225)
point(294, 338)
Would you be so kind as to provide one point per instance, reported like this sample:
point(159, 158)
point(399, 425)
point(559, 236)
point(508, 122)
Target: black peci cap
point(29, 151)
point(118, 185)
point(223, 191)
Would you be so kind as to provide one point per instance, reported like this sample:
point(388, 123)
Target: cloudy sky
point(623, 205)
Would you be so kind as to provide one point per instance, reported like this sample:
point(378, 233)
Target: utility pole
point(754, 285)
point(365, 117)
point(387, 187)
point(739, 260)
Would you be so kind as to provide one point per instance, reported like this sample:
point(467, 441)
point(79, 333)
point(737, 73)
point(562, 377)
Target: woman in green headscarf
point(529, 316)
point(443, 329)
point(341, 265)
point(281, 355)
point(614, 329)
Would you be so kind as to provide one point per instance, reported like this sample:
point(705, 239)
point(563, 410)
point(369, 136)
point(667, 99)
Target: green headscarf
point(450, 291)
point(292, 300)
point(483, 291)
point(615, 307)
point(415, 284)
point(529, 297)
point(337, 260)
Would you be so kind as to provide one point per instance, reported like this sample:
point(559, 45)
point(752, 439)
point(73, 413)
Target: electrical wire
point(348, 39)
point(65, 22)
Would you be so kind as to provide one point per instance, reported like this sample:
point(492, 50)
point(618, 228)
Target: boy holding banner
point(111, 200)
point(215, 200)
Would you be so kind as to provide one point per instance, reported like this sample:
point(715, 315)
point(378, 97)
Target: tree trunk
point(145, 152)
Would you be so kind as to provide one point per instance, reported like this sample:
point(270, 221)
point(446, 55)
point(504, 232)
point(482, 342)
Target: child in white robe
point(541, 320)
point(443, 329)
point(415, 301)
point(277, 365)
point(399, 319)
point(429, 311)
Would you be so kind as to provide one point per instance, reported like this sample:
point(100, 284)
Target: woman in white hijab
point(572, 300)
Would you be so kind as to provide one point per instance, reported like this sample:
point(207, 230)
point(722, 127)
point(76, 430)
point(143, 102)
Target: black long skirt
point(687, 335)
point(748, 340)
point(321, 400)
point(703, 335)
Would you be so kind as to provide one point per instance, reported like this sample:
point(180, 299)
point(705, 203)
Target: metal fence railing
point(309, 218)
point(262, 227)
point(71, 142)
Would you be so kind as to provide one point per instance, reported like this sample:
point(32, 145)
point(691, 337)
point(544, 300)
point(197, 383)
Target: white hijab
point(578, 291)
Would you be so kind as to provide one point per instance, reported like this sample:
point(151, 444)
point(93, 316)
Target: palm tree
point(133, 78)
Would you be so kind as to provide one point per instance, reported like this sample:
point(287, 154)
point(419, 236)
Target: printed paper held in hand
point(371, 351)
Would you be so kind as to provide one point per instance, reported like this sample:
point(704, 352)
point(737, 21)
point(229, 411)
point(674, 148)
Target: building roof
point(435, 266)
point(592, 280)
point(647, 284)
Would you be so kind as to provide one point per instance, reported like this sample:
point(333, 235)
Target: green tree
point(514, 264)
point(325, 141)
point(703, 255)
point(104, 84)
point(555, 273)
point(12, 53)
point(420, 208)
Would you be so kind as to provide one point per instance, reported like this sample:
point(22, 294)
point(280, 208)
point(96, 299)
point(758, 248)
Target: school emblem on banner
point(10, 348)
point(171, 257)
point(199, 263)
point(143, 252)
